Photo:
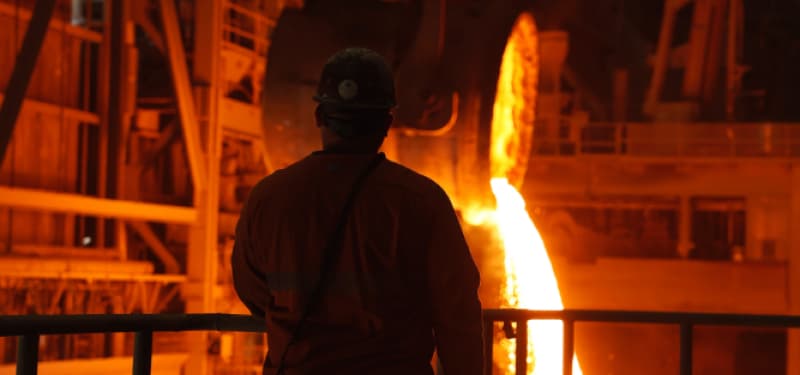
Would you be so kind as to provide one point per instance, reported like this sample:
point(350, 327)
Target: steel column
point(23, 70)
point(28, 354)
point(201, 267)
point(183, 90)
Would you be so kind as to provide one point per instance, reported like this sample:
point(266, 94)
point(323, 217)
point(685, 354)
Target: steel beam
point(141, 16)
point(9, 10)
point(661, 63)
point(161, 251)
point(94, 275)
point(699, 41)
point(76, 203)
point(734, 47)
point(58, 110)
point(183, 90)
point(23, 70)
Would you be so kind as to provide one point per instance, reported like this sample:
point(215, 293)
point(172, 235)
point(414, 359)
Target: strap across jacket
point(331, 253)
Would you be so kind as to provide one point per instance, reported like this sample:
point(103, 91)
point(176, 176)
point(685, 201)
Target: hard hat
point(356, 78)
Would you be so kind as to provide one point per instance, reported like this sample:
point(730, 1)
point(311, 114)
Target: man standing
point(357, 264)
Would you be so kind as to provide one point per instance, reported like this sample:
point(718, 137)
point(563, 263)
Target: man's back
point(404, 273)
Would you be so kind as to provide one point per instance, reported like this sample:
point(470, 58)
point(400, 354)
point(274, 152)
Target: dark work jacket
point(405, 282)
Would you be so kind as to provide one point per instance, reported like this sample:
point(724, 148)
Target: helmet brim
point(340, 104)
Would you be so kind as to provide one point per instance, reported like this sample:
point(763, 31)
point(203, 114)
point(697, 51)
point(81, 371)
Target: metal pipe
point(142, 353)
point(446, 128)
point(522, 346)
point(686, 349)
point(28, 354)
point(76, 203)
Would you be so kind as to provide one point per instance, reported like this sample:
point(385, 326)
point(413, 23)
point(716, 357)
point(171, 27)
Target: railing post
point(522, 347)
point(142, 352)
point(27, 355)
point(488, 346)
point(569, 345)
point(686, 349)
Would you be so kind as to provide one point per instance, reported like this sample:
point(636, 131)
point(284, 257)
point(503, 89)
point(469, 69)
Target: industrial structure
point(657, 147)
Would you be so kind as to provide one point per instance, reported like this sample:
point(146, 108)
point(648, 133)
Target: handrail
point(30, 327)
point(16, 325)
point(655, 317)
point(564, 138)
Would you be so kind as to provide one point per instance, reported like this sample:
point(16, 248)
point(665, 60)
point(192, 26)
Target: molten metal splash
point(530, 282)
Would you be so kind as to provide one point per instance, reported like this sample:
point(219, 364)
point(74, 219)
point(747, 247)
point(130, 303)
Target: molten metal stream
point(530, 282)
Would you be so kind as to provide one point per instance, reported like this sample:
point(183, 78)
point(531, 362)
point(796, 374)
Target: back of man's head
point(356, 94)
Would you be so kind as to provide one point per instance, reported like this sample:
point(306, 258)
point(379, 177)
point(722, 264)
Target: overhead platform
point(66, 268)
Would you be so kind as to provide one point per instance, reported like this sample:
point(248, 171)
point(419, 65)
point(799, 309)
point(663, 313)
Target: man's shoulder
point(406, 178)
point(281, 176)
point(275, 180)
point(391, 174)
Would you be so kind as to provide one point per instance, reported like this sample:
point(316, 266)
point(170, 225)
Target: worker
point(357, 264)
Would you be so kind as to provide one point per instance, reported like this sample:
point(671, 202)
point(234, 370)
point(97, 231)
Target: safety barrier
point(30, 327)
point(686, 321)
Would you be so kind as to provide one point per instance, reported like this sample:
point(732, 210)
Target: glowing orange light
point(530, 282)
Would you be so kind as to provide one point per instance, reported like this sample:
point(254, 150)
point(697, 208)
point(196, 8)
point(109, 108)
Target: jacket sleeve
point(249, 279)
point(453, 284)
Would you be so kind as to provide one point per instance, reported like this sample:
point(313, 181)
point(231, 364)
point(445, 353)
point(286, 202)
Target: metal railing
point(562, 137)
point(686, 322)
point(30, 327)
point(246, 26)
